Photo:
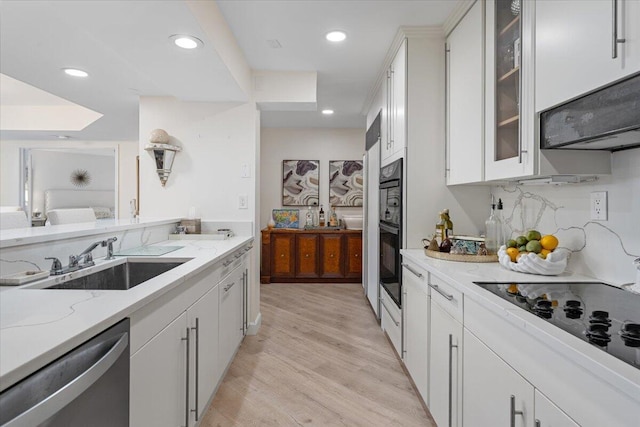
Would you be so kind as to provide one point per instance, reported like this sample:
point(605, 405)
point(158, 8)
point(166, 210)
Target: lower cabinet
point(231, 323)
point(416, 328)
point(204, 325)
point(493, 393)
point(315, 256)
point(175, 370)
point(549, 415)
point(445, 379)
point(159, 379)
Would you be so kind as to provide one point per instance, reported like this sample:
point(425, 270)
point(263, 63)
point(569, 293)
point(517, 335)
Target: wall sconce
point(163, 153)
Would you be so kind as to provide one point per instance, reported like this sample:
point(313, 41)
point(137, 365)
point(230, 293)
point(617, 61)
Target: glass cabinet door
point(507, 78)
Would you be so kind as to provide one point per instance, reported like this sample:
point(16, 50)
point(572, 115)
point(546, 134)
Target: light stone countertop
point(39, 325)
point(461, 275)
point(26, 236)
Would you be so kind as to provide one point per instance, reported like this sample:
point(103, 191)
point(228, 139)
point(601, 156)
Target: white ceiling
point(124, 46)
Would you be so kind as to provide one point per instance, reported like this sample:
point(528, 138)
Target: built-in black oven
point(391, 229)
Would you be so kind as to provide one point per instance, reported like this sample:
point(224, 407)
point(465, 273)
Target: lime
point(534, 246)
point(522, 248)
point(533, 235)
point(512, 243)
point(521, 240)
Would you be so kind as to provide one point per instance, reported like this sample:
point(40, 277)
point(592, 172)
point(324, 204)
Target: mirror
point(65, 178)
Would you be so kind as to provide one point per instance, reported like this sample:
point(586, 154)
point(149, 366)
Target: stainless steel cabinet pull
point(513, 412)
point(419, 275)
point(441, 292)
point(614, 30)
point(390, 315)
point(229, 286)
point(538, 423)
point(227, 263)
point(451, 347)
point(197, 329)
point(186, 393)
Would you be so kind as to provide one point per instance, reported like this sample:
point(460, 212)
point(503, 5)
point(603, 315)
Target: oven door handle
point(389, 229)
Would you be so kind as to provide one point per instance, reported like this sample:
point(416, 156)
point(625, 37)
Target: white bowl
point(554, 264)
point(352, 222)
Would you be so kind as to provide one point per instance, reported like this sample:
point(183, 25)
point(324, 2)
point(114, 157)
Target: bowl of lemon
point(534, 253)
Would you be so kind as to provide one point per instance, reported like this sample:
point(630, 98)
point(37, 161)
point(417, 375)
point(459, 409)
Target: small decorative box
point(466, 244)
point(193, 226)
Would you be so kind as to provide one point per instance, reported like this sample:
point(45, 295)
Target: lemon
point(545, 252)
point(549, 242)
point(513, 253)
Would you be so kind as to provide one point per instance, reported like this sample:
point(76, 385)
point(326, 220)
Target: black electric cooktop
point(603, 315)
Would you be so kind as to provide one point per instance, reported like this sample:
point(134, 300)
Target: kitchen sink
point(119, 277)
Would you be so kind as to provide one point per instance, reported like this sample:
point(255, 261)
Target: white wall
point(601, 249)
point(10, 165)
point(278, 144)
point(216, 140)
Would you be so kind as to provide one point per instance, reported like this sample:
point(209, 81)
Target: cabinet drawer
point(391, 321)
point(421, 276)
point(448, 297)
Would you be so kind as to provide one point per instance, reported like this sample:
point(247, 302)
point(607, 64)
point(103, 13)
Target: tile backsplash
point(601, 249)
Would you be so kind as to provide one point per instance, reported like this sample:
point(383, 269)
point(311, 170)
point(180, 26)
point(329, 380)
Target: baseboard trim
point(254, 326)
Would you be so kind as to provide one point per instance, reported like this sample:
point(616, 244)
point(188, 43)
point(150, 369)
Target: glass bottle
point(491, 230)
point(448, 225)
point(500, 237)
point(440, 229)
point(309, 218)
point(333, 217)
point(321, 217)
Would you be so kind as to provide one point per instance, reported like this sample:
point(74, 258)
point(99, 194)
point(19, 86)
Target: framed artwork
point(300, 180)
point(346, 182)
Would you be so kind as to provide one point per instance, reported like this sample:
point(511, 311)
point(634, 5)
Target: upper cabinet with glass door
point(509, 129)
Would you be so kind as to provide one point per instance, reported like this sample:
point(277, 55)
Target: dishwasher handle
point(48, 407)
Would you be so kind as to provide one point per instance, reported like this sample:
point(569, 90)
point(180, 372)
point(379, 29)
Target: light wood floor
point(319, 359)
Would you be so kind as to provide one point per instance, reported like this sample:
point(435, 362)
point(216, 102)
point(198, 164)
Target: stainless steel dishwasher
point(87, 387)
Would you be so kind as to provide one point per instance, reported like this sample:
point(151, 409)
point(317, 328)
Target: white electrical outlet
point(599, 205)
point(242, 201)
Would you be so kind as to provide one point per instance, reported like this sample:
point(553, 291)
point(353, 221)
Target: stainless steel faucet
point(84, 259)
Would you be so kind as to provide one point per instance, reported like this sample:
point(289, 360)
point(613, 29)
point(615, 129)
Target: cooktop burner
point(603, 315)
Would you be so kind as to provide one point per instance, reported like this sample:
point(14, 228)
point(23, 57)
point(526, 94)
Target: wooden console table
point(317, 255)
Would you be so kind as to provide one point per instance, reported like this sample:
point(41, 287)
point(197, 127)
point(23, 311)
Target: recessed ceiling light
point(327, 112)
point(336, 36)
point(186, 42)
point(75, 72)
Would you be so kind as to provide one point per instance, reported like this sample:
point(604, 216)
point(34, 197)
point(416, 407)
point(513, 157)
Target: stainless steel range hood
point(605, 119)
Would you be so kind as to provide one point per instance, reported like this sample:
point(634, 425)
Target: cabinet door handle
point(441, 292)
point(306, 255)
point(390, 315)
point(513, 412)
point(197, 330)
point(227, 263)
point(229, 286)
point(186, 393)
point(408, 267)
point(281, 255)
point(331, 255)
point(451, 347)
point(538, 424)
point(614, 30)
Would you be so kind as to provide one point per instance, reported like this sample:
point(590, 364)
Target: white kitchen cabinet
point(510, 148)
point(230, 311)
point(445, 373)
point(493, 393)
point(391, 320)
point(396, 106)
point(574, 47)
point(202, 318)
point(549, 415)
point(158, 394)
point(465, 99)
point(416, 327)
